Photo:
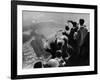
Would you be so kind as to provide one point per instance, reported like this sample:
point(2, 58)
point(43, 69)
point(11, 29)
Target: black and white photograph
point(53, 39)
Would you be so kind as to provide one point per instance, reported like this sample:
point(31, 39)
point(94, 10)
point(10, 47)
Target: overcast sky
point(48, 22)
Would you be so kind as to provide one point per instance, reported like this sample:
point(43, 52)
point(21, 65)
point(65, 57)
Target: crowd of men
point(69, 49)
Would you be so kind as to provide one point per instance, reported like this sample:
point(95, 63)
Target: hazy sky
point(47, 23)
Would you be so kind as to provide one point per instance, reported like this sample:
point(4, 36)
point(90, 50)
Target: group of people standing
point(79, 41)
point(69, 49)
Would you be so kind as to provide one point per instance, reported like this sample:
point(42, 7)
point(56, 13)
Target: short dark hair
point(58, 54)
point(74, 24)
point(81, 21)
point(38, 65)
point(76, 28)
point(67, 28)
